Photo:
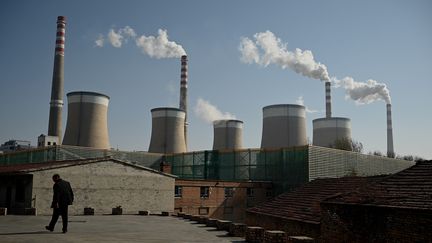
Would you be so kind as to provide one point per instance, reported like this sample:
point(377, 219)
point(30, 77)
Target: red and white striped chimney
point(390, 150)
point(56, 104)
point(328, 99)
point(183, 92)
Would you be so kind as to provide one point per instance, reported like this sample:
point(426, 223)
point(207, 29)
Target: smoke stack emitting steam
point(268, 49)
point(56, 103)
point(183, 93)
point(328, 99)
point(154, 46)
point(390, 151)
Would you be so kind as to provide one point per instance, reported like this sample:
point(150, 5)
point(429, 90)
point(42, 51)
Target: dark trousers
point(63, 211)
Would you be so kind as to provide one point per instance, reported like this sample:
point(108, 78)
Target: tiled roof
point(303, 204)
point(410, 188)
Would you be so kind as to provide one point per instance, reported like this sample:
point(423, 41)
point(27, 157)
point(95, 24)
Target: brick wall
point(219, 206)
point(291, 227)
point(360, 223)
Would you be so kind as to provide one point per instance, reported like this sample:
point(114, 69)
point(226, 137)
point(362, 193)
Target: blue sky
point(388, 41)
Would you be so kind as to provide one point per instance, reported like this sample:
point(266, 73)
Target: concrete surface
point(124, 228)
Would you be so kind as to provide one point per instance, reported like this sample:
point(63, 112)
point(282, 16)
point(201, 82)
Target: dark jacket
point(63, 194)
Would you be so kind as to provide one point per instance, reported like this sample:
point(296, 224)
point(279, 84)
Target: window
point(250, 192)
point(269, 193)
point(204, 192)
point(49, 143)
point(178, 191)
point(203, 210)
point(229, 191)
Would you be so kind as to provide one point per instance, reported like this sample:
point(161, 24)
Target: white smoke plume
point(268, 49)
point(155, 46)
point(209, 113)
point(160, 46)
point(300, 101)
point(364, 92)
point(100, 41)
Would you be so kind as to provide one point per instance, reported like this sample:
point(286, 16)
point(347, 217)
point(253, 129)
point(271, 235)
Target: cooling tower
point(327, 130)
point(390, 150)
point(87, 120)
point(56, 103)
point(228, 134)
point(167, 131)
point(283, 126)
point(183, 93)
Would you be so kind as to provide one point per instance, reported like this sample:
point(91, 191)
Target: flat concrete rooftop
point(109, 228)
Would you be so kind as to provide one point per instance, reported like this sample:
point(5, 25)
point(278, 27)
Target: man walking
point(62, 198)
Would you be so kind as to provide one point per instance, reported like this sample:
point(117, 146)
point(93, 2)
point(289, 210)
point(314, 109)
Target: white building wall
point(105, 185)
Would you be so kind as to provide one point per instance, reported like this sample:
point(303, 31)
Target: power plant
point(228, 134)
point(167, 134)
point(283, 126)
point(328, 130)
point(183, 94)
point(56, 103)
point(87, 124)
point(390, 150)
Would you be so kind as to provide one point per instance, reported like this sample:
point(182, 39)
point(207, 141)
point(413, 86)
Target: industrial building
point(101, 184)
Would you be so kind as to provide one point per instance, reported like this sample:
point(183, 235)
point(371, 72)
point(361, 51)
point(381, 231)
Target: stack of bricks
point(211, 222)
point(300, 239)
point(223, 224)
point(254, 234)
point(275, 236)
point(237, 229)
point(202, 219)
point(195, 218)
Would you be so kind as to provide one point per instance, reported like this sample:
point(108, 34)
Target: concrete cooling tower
point(167, 131)
point(327, 130)
point(87, 120)
point(228, 134)
point(284, 126)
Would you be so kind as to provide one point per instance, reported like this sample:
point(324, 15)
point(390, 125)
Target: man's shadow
point(30, 233)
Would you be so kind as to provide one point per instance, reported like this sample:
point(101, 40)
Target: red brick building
point(298, 212)
point(220, 199)
point(395, 209)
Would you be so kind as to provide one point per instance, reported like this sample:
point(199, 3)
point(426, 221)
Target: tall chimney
point(390, 150)
point(328, 99)
point(56, 104)
point(183, 93)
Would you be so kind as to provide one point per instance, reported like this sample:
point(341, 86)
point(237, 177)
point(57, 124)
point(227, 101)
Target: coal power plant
point(228, 134)
point(56, 104)
point(87, 123)
point(167, 134)
point(327, 131)
point(283, 126)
